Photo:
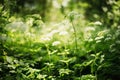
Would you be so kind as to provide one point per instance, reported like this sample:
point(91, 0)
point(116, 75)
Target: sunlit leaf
point(64, 71)
point(40, 76)
point(9, 59)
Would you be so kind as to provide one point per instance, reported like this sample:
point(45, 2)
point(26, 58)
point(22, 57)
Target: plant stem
point(48, 51)
point(75, 36)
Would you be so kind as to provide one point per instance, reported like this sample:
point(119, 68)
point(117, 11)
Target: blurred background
point(106, 11)
point(59, 39)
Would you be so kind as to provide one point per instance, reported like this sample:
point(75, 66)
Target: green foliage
point(73, 49)
point(107, 11)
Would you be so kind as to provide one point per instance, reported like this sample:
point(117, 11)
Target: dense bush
point(73, 49)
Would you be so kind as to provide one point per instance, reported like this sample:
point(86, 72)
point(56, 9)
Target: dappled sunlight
point(59, 40)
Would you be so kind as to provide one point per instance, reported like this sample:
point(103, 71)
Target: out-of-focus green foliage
point(25, 7)
point(107, 11)
point(79, 47)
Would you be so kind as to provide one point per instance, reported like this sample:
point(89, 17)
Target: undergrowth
point(69, 50)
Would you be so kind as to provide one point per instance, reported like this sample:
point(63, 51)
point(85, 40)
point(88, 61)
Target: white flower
point(49, 35)
point(101, 33)
point(45, 39)
point(55, 43)
point(98, 38)
point(65, 3)
point(56, 4)
point(30, 21)
point(54, 31)
point(118, 27)
point(17, 26)
point(63, 33)
point(97, 23)
point(87, 29)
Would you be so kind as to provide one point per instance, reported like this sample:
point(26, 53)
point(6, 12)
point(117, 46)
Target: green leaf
point(88, 77)
point(87, 63)
point(40, 76)
point(64, 71)
point(9, 59)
